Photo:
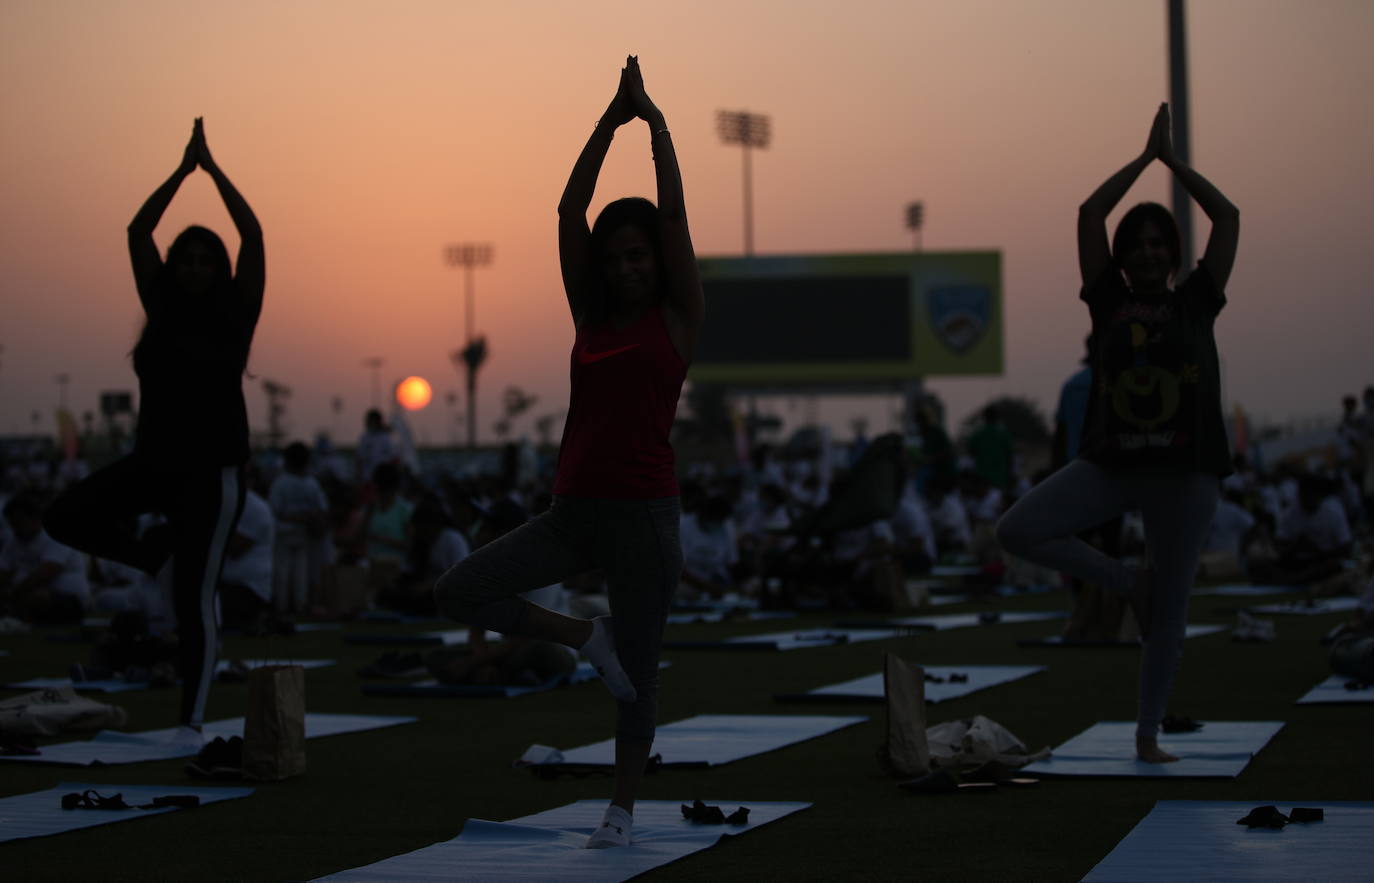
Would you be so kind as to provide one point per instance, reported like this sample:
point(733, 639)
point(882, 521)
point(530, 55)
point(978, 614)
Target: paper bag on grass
point(905, 754)
point(274, 727)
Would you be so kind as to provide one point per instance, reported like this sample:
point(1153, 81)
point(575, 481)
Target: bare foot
point(1150, 752)
point(1139, 599)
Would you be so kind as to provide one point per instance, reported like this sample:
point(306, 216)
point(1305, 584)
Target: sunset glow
point(413, 393)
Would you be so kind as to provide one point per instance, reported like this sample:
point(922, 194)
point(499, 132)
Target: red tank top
point(625, 387)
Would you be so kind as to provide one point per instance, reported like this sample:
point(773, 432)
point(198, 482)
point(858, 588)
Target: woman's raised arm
point(1094, 253)
point(143, 253)
point(685, 298)
point(573, 232)
point(250, 271)
point(1220, 254)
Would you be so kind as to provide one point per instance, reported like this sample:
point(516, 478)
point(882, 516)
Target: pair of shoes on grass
point(219, 759)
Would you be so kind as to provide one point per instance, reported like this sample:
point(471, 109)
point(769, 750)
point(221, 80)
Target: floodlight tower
point(469, 256)
point(748, 130)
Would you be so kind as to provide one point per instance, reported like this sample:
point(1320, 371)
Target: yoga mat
point(446, 638)
point(396, 616)
point(1220, 750)
point(715, 739)
point(1332, 691)
point(110, 747)
point(1311, 608)
point(944, 621)
point(40, 813)
point(1247, 591)
point(1200, 840)
point(430, 687)
point(118, 685)
point(869, 688)
point(1190, 631)
point(690, 617)
point(549, 845)
point(955, 570)
point(789, 640)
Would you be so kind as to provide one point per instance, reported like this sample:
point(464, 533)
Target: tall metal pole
point(747, 130)
point(469, 256)
point(1178, 105)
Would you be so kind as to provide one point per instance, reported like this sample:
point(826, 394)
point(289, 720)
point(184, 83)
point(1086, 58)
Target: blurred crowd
point(815, 523)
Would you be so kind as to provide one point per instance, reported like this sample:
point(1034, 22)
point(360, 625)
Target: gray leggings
point(635, 542)
point(1177, 510)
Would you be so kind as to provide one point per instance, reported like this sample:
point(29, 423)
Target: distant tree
point(1021, 416)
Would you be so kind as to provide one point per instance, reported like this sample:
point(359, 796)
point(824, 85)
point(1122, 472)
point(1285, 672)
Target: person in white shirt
point(41, 580)
point(435, 547)
point(953, 535)
point(913, 536)
point(709, 547)
point(245, 582)
point(302, 514)
point(375, 446)
point(1313, 537)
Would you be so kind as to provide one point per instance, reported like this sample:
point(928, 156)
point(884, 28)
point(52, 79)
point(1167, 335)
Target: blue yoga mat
point(1200, 840)
point(945, 621)
point(40, 813)
point(432, 688)
point(1332, 691)
point(714, 739)
point(118, 685)
point(549, 845)
point(798, 640)
point(110, 747)
point(869, 688)
point(1190, 631)
point(1247, 591)
point(444, 638)
point(1221, 749)
point(1310, 608)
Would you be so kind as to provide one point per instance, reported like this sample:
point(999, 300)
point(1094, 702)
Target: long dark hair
point(632, 211)
point(176, 309)
point(1140, 215)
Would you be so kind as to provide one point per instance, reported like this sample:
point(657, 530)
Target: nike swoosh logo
point(586, 358)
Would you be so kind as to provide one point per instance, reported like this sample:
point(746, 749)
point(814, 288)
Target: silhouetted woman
point(1154, 440)
point(192, 436)
point(636, 302)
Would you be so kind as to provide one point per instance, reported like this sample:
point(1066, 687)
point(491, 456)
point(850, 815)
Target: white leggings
point(1177, 510)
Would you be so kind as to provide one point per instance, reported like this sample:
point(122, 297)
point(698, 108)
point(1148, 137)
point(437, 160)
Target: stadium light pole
point(469, 256)
point(1178, 106)
point(915, 218)
point(748, 130)
point(375, 363)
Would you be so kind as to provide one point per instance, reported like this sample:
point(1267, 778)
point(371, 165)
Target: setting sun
point(413, 393)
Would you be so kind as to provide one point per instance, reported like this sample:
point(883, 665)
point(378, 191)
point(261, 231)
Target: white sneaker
point(600, 651)
point(614, 829)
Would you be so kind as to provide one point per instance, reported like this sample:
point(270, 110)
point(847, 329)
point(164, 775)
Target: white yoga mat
point(585, 671)
point(870, 687)
point(40, 813)
point(118, 685)
point(549, 845)
point(1200, 840)
point(689, 617)
point(798, 640)
point(1311, 608)
point(1332, 691)
point(956, 570)
point(1243, 591)
point(110, 747)
point(714, 739)
point(1221, 749)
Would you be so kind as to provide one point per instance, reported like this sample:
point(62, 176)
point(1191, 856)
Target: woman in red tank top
point(636, 300)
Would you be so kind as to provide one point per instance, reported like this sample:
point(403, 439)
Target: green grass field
point(372, 795)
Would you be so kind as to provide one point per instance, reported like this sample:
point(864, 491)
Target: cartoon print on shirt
point(1147, 396)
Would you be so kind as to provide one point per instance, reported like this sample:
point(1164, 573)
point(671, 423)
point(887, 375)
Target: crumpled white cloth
point(970, 744)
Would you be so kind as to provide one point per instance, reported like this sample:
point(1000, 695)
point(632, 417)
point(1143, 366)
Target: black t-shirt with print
point(1156, 400)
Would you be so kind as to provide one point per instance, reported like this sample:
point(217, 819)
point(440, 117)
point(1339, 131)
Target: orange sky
point(367, 136)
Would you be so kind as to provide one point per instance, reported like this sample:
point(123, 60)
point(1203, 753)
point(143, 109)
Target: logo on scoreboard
point(959, 314)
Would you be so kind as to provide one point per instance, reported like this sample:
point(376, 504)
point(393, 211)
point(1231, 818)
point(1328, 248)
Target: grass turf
point(372, 795)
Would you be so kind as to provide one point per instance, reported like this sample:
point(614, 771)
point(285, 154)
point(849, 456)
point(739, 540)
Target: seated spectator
point(1232, 529)
point(913, 535)
point(41, 580)
point(387, 521)
point(1313, 537)
point(245, 582)
point(435, 546)
point(953, 534)
point(302, 515)
point(709, 548)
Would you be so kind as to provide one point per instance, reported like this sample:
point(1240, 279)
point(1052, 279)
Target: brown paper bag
point(274, 728)
point(906, 753)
